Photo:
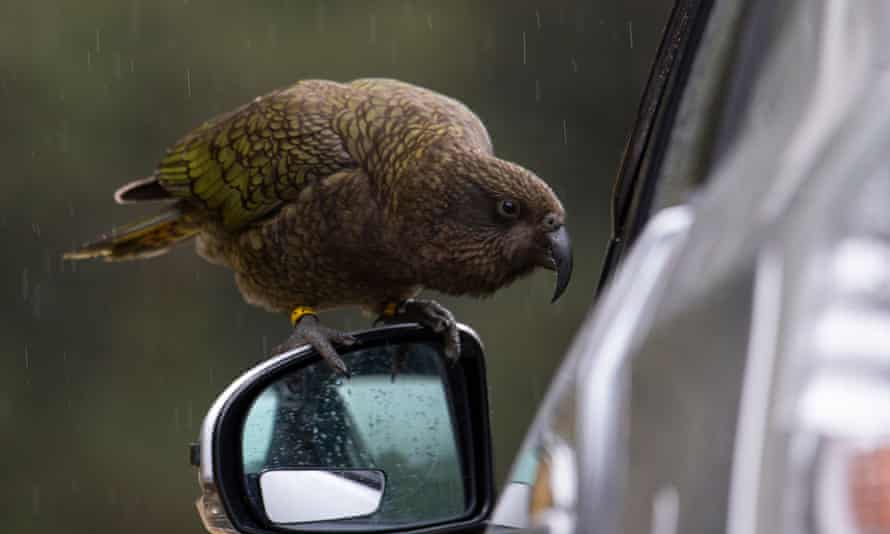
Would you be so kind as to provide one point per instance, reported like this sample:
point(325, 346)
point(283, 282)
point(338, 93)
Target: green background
point(107, 369)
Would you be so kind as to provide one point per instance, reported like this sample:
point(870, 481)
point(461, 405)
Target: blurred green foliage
point(107, 369)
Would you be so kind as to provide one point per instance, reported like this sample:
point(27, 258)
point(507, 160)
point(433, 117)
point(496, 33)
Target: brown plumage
point(327, 194)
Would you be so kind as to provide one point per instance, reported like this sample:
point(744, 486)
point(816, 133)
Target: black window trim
point(638, 173)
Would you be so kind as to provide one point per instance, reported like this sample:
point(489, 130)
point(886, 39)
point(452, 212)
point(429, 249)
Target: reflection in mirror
point(400, 426)
point(322, 495)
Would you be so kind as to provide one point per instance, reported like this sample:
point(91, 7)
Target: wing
point(245, 164)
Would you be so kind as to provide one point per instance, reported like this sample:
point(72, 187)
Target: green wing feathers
point(245, 164)
point(223, 169)
point(233, 170)
point(144, 239)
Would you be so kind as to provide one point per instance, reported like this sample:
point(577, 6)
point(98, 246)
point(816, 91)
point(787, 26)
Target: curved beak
point(561, 257)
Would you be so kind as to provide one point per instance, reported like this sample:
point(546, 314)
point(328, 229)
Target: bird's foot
point(308, 331)
point(399, 359)
point(430, 314)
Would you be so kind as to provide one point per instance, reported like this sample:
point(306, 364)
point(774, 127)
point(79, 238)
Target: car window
point(695, 130)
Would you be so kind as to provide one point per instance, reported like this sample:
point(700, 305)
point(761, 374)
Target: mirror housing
point(232, 499)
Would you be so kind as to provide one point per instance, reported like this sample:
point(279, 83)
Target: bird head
point(497, 221)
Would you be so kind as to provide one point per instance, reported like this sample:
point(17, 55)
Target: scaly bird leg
point(307, 331)
point(430, 314)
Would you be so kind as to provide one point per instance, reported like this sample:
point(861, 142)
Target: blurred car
point(732, 375)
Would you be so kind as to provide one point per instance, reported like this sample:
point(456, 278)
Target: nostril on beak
point(551, 222)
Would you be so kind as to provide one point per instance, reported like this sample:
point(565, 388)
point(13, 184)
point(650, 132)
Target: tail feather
point(144, 239)
point(144, 190)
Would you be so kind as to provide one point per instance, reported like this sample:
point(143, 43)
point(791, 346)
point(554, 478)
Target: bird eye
point(508, 208)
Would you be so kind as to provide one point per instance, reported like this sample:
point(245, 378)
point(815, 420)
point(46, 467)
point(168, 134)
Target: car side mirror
point(403, 444)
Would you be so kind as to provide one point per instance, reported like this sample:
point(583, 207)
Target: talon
point(334, 360)
point(338, 364)
point(398, 362)
point(320, 338)
point(430, 314)
point(345, 339)
point(452, 343)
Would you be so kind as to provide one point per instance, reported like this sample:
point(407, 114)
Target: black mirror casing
point(465, 388)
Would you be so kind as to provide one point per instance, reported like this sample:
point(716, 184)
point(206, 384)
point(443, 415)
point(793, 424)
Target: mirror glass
point(323, 495)
point(392, 417)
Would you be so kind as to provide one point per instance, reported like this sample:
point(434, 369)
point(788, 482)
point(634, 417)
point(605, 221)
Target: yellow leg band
point(390, 309)
point(299, 312)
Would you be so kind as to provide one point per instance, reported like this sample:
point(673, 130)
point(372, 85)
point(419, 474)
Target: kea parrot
point(325, 194)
